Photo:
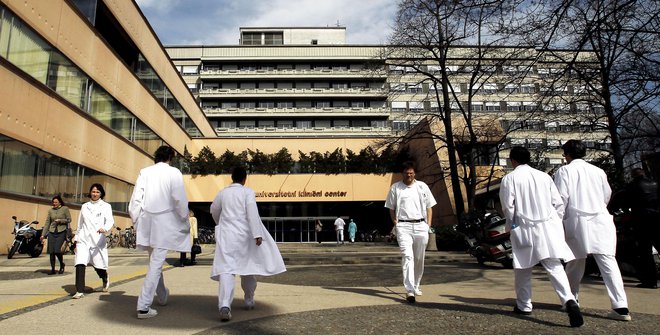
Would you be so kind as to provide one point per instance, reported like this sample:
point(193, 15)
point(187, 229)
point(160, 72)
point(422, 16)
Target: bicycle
point(129, 238)
point(69, 245)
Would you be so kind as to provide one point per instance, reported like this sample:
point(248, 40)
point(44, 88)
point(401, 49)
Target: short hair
point(408, 165)
point(238, 174)
point(164, 154)
point(98, 187)
point(520, 155)
point(59, 198)
point(574, 148)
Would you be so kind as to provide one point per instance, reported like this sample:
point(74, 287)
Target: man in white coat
point(159, 210)
point(410, 203)
point(533, 210)
point(243, 245)
point(589, 226)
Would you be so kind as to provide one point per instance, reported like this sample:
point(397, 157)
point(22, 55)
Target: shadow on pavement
point(181, 311)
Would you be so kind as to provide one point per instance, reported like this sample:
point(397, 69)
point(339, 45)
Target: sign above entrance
point(301, 194)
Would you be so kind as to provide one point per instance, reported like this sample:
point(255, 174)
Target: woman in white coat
point(243, 245)
point(94, 221)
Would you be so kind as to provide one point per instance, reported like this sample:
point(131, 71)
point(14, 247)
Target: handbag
point(196, 249)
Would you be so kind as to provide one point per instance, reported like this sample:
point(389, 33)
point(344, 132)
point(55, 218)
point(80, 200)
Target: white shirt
point(410, 202)
point(339, 224)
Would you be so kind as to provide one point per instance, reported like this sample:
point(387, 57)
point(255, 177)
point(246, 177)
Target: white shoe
point(163, 300)
point(620, 317)
point(418, 292)
point(106, 285)
point(150, 313)
point(78, 295)
point(225, 314)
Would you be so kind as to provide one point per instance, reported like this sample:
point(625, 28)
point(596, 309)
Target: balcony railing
point(210, 92)
point(324, 72)
point(298, 111)
point(302, 132)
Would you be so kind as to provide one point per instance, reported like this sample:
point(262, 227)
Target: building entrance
point(299, 229)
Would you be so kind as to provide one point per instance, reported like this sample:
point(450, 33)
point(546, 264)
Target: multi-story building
point(88, 94)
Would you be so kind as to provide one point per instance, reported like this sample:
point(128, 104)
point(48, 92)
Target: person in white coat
point(533, 209)
point(410, 205)
point(243, 245)
point(339, 229)
point(589, 226)
point(159, 210)
point(94, 221)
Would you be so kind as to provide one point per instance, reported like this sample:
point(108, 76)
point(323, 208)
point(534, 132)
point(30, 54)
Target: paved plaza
point(328, 289)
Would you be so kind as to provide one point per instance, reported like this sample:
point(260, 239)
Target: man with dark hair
point(243, 245)
point(641, 196)
point(410, 203)
point(533, 210)
point(159, 210)
point(588, 225)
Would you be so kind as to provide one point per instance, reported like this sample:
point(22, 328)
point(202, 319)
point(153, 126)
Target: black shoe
point(410, 297)
point(61, 269)
point(520, 311)
point(645, 285)
point(574, 314)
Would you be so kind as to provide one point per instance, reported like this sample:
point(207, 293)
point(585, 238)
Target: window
point(266, 123)
point(357, 104)
point(266, 104)
point(189, 70)
point(492, 106)
point(251, 38)
point(378, 123)
point(285, 104)
point(228, 105)
point(398, 106)
point(304, 124)
point(513, 106)
point(416, 106)
point(247, 124)
point(247, 104)
point(273, 38)
point(285, 124)
point(400, 125)
point(339, 85)
point(477, 106)
point(527, 88)
point(489, 88)
point(315, 42)
point(231, 124)
point(341, 123)
point(322, 123)
point(322, 104)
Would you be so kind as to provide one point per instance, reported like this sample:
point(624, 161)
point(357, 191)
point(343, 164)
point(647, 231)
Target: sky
point(216, 22)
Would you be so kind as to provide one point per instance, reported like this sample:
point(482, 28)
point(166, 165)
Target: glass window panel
point(57, 176)
point(18, 165)
point(68, 80)
point(146, 139)
point(27, 50)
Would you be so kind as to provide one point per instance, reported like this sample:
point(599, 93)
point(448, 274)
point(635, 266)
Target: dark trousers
point(80, 277)
point(648, 236)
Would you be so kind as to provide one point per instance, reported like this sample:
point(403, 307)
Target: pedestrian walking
point(94, 222)
point(410, 204)
point(339, 229)
point(159, 210)
point(352, 229)
point(589, 227)
point(244, 247)
point(533, 210)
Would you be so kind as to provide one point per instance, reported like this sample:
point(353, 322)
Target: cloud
point(179, 22)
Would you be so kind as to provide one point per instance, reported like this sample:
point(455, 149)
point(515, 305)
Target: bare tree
point(453, 51)
point(623, 37)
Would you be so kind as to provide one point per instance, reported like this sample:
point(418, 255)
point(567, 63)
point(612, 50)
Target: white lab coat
point(396, 202)
point(91, 245)
point(531, 202)
point(235, 213)
point(585, 192)
point(159, 209)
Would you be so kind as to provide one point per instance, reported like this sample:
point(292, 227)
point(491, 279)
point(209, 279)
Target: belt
point(413, 221)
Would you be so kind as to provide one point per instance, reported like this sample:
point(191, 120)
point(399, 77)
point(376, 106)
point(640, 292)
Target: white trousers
point(412, 238)
point(610, 272)
point(226, 289)
point(340, 235)
point(153, 282)
point(558, 278)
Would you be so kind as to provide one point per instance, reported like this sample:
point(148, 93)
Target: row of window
point(288, 85)
point(206, 67)
point(27, 170)
point(232, 124)
point(509, 70)
point(293, 104)
point(499, 106)
point(107, 26)
point(262, 38)
point(546, 143)
point(23, 48)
